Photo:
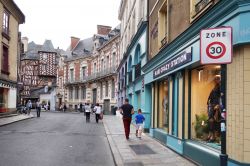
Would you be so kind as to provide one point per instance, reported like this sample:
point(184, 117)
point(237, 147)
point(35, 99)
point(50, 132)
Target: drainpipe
point(147, 16)
point(168, 18)
point(223, 155)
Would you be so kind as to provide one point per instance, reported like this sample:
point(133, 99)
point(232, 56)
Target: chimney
point(74, 42)
point(103, 30)
point(25, 41)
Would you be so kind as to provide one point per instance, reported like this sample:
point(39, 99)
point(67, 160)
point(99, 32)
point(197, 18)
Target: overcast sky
point(57, 20)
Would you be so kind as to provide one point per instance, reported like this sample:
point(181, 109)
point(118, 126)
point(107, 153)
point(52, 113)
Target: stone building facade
point(10, 18)
point(88, 70)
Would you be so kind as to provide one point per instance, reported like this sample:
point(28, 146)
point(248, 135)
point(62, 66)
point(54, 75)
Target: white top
point(97, 109)
point(87, 108)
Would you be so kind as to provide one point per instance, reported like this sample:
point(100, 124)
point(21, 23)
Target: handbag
point(101, 116)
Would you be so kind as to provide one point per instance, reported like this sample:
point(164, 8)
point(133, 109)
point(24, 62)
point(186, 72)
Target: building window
point(70, 93)
point(137, 62)
point(113, 89)
point(94, 68)
point(5, 60)
point(163, 105)
point(101, 91)
point(199, 6)
point(163, 26)
point(113, 60)
point(83, 92)
point(6, 18)
point(205, 117)
point(83, 72)
point(71, 75)
point(76, 93)
point(107, 62)
point(102, 64)
point(60, 82)
point(3, 99)
point(106, 89)
point(45, 57)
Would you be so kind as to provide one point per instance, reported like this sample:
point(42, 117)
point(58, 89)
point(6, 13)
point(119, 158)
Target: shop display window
point(206, 104)
point(163, 106)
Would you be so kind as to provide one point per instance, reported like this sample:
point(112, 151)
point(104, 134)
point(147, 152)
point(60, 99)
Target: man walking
point(87, 111)
point(127, 111)
point(38, 108)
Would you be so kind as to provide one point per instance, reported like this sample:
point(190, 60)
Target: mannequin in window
point(213, 104)
point(165, 108)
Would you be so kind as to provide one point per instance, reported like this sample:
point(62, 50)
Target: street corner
point(16, 118)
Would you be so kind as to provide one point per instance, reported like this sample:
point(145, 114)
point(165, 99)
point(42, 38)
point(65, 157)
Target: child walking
point(139, 119)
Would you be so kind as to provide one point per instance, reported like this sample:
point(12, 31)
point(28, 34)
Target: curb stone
point(18, 120)
point(114, 150)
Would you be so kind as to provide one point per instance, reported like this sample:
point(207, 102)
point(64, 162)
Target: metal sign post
point(216, 48)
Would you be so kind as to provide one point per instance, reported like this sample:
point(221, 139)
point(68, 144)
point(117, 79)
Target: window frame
point(83, 72)
point(106, 89)
point(71, 75)
point(160, 102)
point(113, 89)
point(194, 15)
point(6, 22)
point(191, 129)
point(5, 59)
point(163, 25)
point(76, 92)
point(84, 92)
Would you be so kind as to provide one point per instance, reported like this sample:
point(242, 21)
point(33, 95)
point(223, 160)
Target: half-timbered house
point(38, 73)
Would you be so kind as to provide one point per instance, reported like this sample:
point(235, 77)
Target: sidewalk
point(147, 151)
point(12, 119)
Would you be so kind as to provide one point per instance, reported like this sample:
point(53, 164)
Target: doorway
point(106, 107)
point(94, 96)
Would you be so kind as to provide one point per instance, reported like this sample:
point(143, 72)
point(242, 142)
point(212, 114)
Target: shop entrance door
point(106, 107)
point(94, 96)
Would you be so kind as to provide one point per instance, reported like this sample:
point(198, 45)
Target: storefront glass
point(163, 106)
point(205, 104)
point(3, 99)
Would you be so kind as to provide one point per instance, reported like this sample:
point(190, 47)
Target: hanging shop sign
point(177, 61)
point(216, 45)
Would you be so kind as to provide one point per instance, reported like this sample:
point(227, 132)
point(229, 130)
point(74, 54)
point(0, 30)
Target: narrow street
point(55, 139)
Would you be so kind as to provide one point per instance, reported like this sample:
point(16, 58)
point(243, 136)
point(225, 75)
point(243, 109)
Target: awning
point(7, 83)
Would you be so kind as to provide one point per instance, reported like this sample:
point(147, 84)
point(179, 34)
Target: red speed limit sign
point(216, 45)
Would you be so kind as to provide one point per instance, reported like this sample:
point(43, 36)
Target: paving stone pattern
point(126, 156)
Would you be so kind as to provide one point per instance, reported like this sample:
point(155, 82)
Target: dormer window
point(45, 56)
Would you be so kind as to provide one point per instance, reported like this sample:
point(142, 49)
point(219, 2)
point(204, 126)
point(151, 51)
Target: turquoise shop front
point(175, 115)
point(180, 86)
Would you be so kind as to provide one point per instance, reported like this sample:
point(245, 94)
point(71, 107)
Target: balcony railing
point(164, 40)
point(137, 70)
point(93, 76)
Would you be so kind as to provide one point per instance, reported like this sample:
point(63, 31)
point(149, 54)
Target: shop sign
point(179, 60)
point(216, 45)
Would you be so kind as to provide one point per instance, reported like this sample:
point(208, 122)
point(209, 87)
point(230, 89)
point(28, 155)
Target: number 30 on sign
point(216, 45)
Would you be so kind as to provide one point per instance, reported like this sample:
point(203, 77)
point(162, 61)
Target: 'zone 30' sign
point(216, 45)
